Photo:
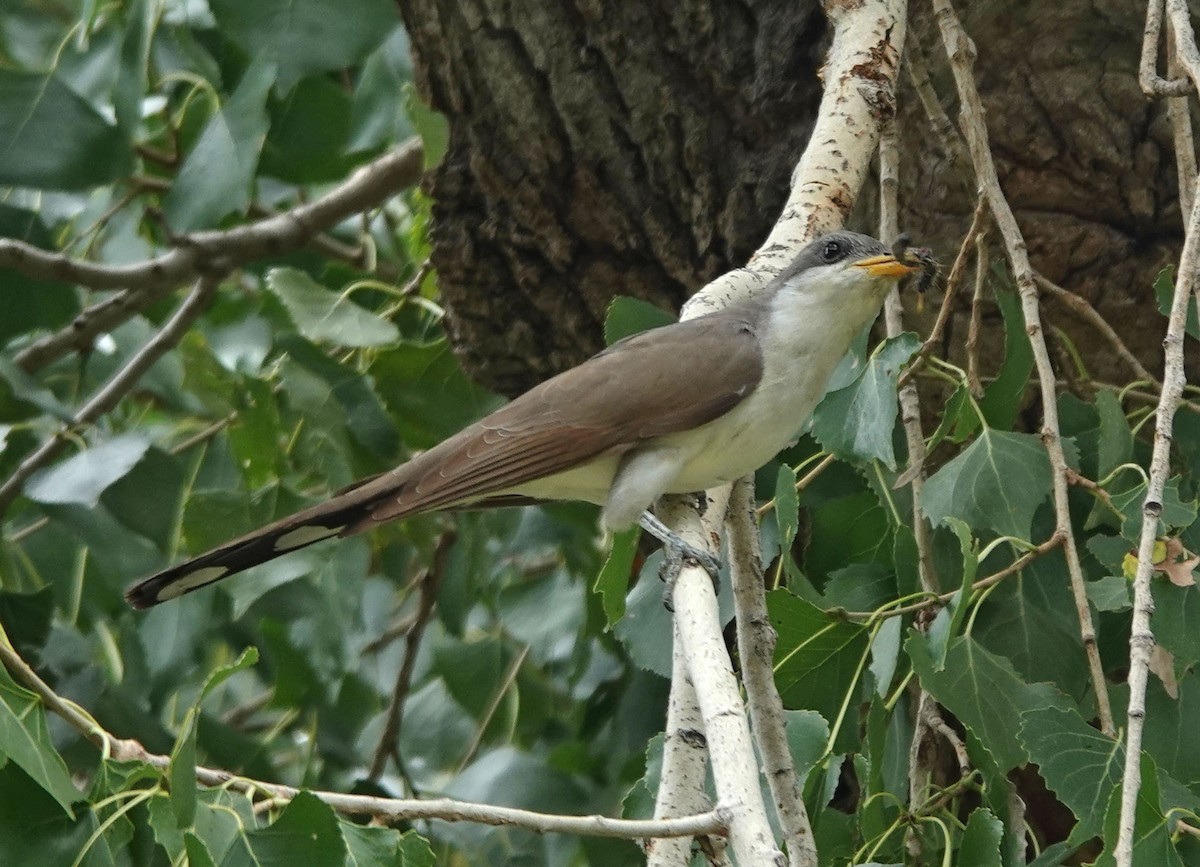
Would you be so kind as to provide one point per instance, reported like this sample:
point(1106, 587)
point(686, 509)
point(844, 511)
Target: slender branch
point(388, 811)
point(1141, 638)
point(428, 588)
point(1181, 129)
point(1152, 84)
point(918, 71)
point(893, 313)
point(142, 283)
point(953, 280)
point(981, 266)
point(756, 639)
point(121, 383)
point(1080, 306)
point(961, 53)
point(982, 584)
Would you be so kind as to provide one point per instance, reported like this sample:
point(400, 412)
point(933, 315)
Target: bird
point(673, 410)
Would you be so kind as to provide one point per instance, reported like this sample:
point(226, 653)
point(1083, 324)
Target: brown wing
point(674, 378)
point(655, 383)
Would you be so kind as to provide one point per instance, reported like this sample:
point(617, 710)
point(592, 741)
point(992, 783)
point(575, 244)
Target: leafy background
point(136, 123)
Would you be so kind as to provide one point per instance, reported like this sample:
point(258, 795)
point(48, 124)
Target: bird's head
point(847, 271)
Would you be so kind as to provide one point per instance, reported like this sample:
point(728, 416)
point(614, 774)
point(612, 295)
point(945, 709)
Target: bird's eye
point(832, 251)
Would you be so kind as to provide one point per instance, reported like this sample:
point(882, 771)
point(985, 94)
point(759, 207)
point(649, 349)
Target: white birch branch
point(681, 789)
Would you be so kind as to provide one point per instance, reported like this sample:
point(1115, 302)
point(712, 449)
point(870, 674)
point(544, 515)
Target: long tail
point(334, 517)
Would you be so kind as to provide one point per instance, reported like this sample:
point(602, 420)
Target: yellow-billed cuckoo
point(674, 410)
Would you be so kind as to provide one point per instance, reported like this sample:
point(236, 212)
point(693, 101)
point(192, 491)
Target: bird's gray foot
point(677, 551)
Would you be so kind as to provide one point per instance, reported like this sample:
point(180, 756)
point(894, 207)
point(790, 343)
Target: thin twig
point(1081, 307)
point(893, 312)
point(121, 383)
point(962, 55)
point(387, 811)
point(974, 383)
point(953, 280)
point(1181, 130)
point(982, 584)
point(1152, 84)
point(142, 283)
point(428, 588)
point(1141, 638)
point(756, 639)
point(917, 63)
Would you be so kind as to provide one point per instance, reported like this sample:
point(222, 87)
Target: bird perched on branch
point(673, 410)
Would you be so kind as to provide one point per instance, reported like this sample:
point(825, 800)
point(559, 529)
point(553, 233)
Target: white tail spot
point(302, 536)
point(192, 580)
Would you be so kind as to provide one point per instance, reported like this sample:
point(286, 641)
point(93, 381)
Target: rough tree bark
point(643, 148)
point(599, 149)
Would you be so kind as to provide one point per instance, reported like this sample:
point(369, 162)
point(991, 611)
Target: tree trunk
point(599, 149)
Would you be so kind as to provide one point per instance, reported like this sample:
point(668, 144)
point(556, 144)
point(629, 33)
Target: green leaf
point(306, 142)
point(807, 734)
point(1110, 593)
point(215, 178)
point(25, 740)
point(627, 316)
point(35, 831)
point(21, 396)
point(181, 770)
point(431, 126)
point(613, 581)
point(307, 832)
point(787, 517)
point(1152, 843)
point(378, 118)
point(340, 392)
point(305, 36)
point(28, 304)
point(817, 658)
point(1164, 291)
point(323, 316)
point(856, 422)
point(81, 479)
point(984, 692)
point(645, 629)
point(996, 484)
point(885, 653)
point(1176, 511)
point(980, 846)
point(1002, 398)
point(1115, 445)
point(427, 393)
point(370, 846)
point(197, 853)
point(1170, 725)
point(1081, 765)
point(53, 138)
point(1176, 620)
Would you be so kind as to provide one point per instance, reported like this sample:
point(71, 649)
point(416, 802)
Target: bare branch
point(1152, 84)
point(121, 383)
point(756, 650)
point(1141, 638)
point(962, 54)
point(1080, 306)
point(143, 283)
point(388, 811)
point(428, 587)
